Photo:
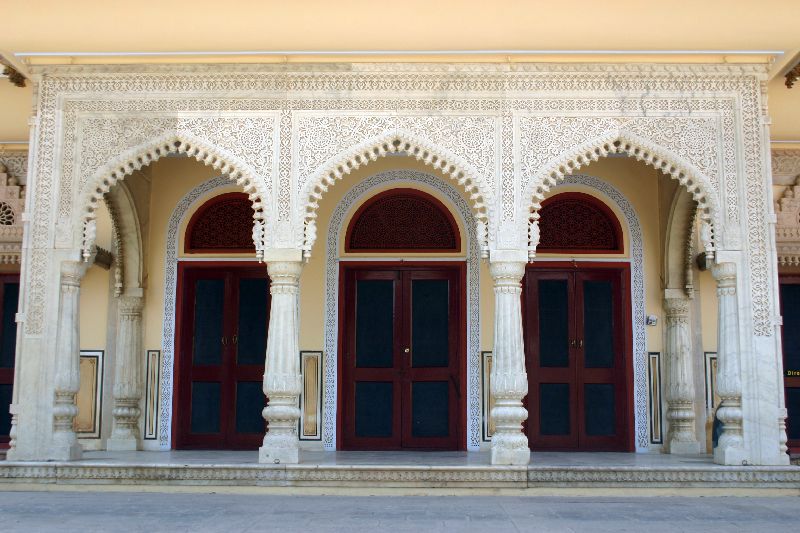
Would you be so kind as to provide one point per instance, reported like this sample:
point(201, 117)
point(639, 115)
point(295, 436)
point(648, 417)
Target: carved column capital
point(284, 276)
point(725, 274)
point(130, 306)
point(677, 309)
point(72, 273)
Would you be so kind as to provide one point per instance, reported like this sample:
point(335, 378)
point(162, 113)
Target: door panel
point(790, 311)
point(400, 358)
point(575, 353)
point(223, 348)
point(9, 297)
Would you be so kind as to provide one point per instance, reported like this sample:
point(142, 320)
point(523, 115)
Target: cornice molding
point(512, 69)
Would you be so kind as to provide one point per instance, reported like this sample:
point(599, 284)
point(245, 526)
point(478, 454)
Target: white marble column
point(680, 391)
point(509, 379)
point(730, 448)
point(67, 364)
point(282, 384)
point(127, 375)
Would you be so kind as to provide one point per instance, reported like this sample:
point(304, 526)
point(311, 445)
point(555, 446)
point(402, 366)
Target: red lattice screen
point(578, 223)
point(403, 220)
point(223, 224)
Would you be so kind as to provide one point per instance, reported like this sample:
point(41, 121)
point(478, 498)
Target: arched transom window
point(574, 222)
point(224, 224)
point(403, 220)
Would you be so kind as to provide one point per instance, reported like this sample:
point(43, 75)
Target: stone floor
point(65, 512)
point(400, 458)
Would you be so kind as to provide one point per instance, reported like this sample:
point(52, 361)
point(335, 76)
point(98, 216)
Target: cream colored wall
point(171, 179)
point(95, 291)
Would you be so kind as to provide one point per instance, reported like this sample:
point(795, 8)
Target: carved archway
point(180, 143)
point(623, 142)
point(469, 180)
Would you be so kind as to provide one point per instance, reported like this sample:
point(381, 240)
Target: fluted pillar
point(282, 384)
point(125, 434)
point(67, 364)
point(680, 392)
point(730, 447)
point(509, 379)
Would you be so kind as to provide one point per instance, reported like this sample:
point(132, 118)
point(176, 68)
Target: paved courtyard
point(195, 512)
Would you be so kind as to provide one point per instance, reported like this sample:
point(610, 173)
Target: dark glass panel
point(374, 323)
point(208, 316)
point(553, 323)
point(793, 407)
point(430, 409)
point(251, 346)
point(374, 405)
point(554, 409)
point(249, 404)
point(9, 325)
point(205, 407)
point(429, 323)
point(599, 408)
point(598, 324)
point(5, 402)
point(790, 304)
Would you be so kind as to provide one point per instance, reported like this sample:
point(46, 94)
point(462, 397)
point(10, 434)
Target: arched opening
point(223, 316)
point(578, 330)
point(403, 342)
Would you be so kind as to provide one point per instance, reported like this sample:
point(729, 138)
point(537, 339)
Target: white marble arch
point(185, 205)
point(460, 208)
point(636, 259)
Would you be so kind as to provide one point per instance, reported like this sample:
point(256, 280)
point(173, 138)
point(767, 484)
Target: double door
point(575, 343)
point(401, 351)
point(225, 313)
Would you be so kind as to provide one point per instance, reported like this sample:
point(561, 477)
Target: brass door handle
point(407, 350)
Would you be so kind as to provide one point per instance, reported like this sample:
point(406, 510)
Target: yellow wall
point(96, 291)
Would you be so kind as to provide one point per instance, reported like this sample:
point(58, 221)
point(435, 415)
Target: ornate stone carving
point(222, 224)
point(509, 379)
point(136, 158)
point(680, 395)
point(785, 166)
point(12, 204)
point(568, 223)
point(476, 185)
point(282, 384)
point(787, 210)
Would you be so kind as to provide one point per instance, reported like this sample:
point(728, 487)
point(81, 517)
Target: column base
point(122, 445)
point(277, 456)
point(729, 456)
point(71, 452)
point(511, 457)
point(682, 447)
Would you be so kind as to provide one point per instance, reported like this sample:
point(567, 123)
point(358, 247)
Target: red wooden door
point(223, 347)
point(9, 296)
point(401, 352)
point(575, 353)
point(790, 311)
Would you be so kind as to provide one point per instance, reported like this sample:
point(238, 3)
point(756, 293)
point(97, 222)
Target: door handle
point(407, 350)
point(572, 343)
point(580, 343)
